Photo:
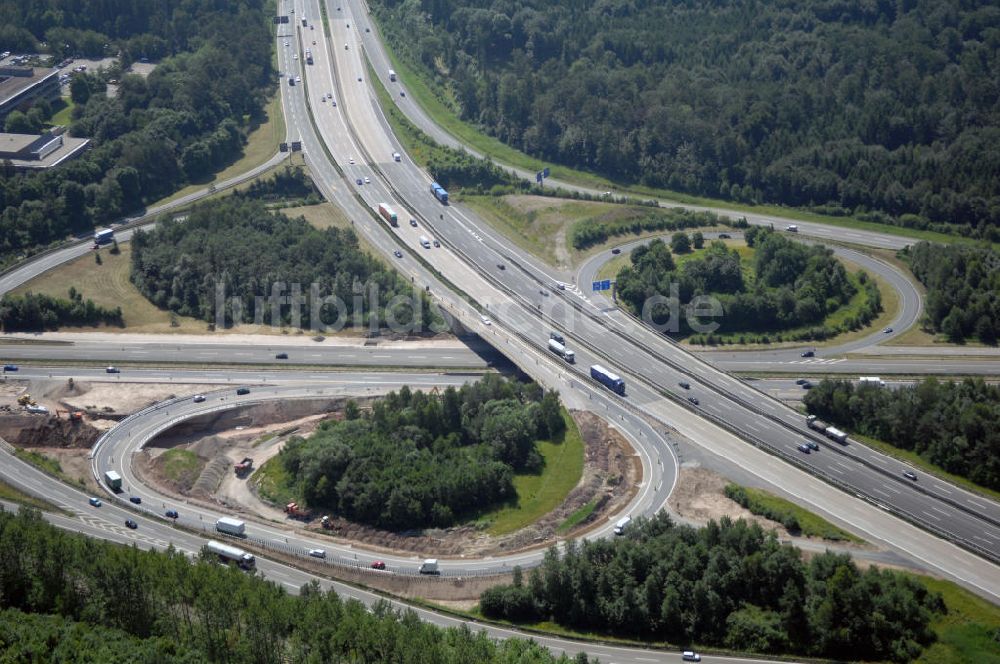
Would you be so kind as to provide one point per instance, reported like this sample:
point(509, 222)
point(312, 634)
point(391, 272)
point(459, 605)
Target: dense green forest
point(951, 424)
point(419, 460)
point(236, 244)
point(886, 110)
point(288, 183)
point(188, 118)
point(589, 233)
point(963, 289)
point(33, 312)
point(728, 584)
point(792, 285)
point(159, 607)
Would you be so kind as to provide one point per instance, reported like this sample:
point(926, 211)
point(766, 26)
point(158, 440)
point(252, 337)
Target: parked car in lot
point(96, 502)
point(129, 523)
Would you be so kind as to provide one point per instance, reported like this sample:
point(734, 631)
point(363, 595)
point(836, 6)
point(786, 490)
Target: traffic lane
point(733, 362)
point(513, 287)
point(292, 579)
point(247, 354)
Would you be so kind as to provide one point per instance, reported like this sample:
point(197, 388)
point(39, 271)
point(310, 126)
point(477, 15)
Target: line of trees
point(883, 110)
point(963, 289)
point(162, 607)
point(239, 246)
point(419, 460)
point(590, 232)
point(951, 424)
point(291, 182)
point(187, 119)
point(791, 285)
point(728, 584)
point(34, 312)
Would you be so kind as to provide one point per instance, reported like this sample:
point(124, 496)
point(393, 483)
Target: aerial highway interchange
point(942, 527)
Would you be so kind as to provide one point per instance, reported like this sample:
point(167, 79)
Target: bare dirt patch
point(75, 464)
point(699, 497)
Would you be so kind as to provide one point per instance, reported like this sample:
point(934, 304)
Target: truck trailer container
point(388, 214)
point(562, 351)
point(439, 192)
point(231, 526)
point(113, 480)
point(392, 75)
point(610, 380)
point(231, 554)
point(836, 434)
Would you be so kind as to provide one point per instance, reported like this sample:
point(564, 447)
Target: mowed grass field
point(537, 495)
point(108, 285)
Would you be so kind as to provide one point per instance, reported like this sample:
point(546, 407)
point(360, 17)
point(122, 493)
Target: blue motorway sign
point(601, 285)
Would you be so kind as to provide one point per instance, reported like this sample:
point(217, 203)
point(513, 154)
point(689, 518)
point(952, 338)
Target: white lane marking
point(930, 515)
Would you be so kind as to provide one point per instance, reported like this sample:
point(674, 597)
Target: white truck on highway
point(113, 480)
point(622, 524)
point(231, 554)
point(562, 351)
point(231, 526)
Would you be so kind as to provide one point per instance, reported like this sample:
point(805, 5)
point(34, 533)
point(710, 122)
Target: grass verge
point(181, 466)
point(63, 116)
point(274, 483)
point(577, 517)
point(421, 91)
point(968, 632)
point(921, 463)
point(15, 495)
point(47, 464)
point(770, 506)
point(537, 495)
point(108, 285)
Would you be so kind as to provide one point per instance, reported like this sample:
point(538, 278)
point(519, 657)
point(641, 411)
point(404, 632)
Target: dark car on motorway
point(135, 499)
point(813, 445)
point(693, 400)
point(360, 181)
point(805, 449)
point(413, 222)
point(724, 236)
point(243, 390)
point(686, 385)
point(910, 475)
point(198, 398)
point(129, 523)
point(809, 353)
point(112, 370)
point(170, 514)
point(616, 250)
point(281, 356)
point(397, 253)
point(10, 367)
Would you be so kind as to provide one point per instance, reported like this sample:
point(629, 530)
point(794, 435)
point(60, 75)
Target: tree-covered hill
point(184, 121)
point(237, 248)
point(852, 106)
point(418, 460)
point(67, 598)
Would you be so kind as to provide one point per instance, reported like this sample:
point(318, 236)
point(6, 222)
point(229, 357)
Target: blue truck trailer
point(610, 380)
point(439, 192)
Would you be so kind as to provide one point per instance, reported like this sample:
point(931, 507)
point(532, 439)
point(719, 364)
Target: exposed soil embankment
point(38, 430)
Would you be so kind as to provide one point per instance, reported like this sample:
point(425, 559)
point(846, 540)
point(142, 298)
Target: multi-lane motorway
point(524, 301)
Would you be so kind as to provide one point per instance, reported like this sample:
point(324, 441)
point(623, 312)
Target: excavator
point(26, 400)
